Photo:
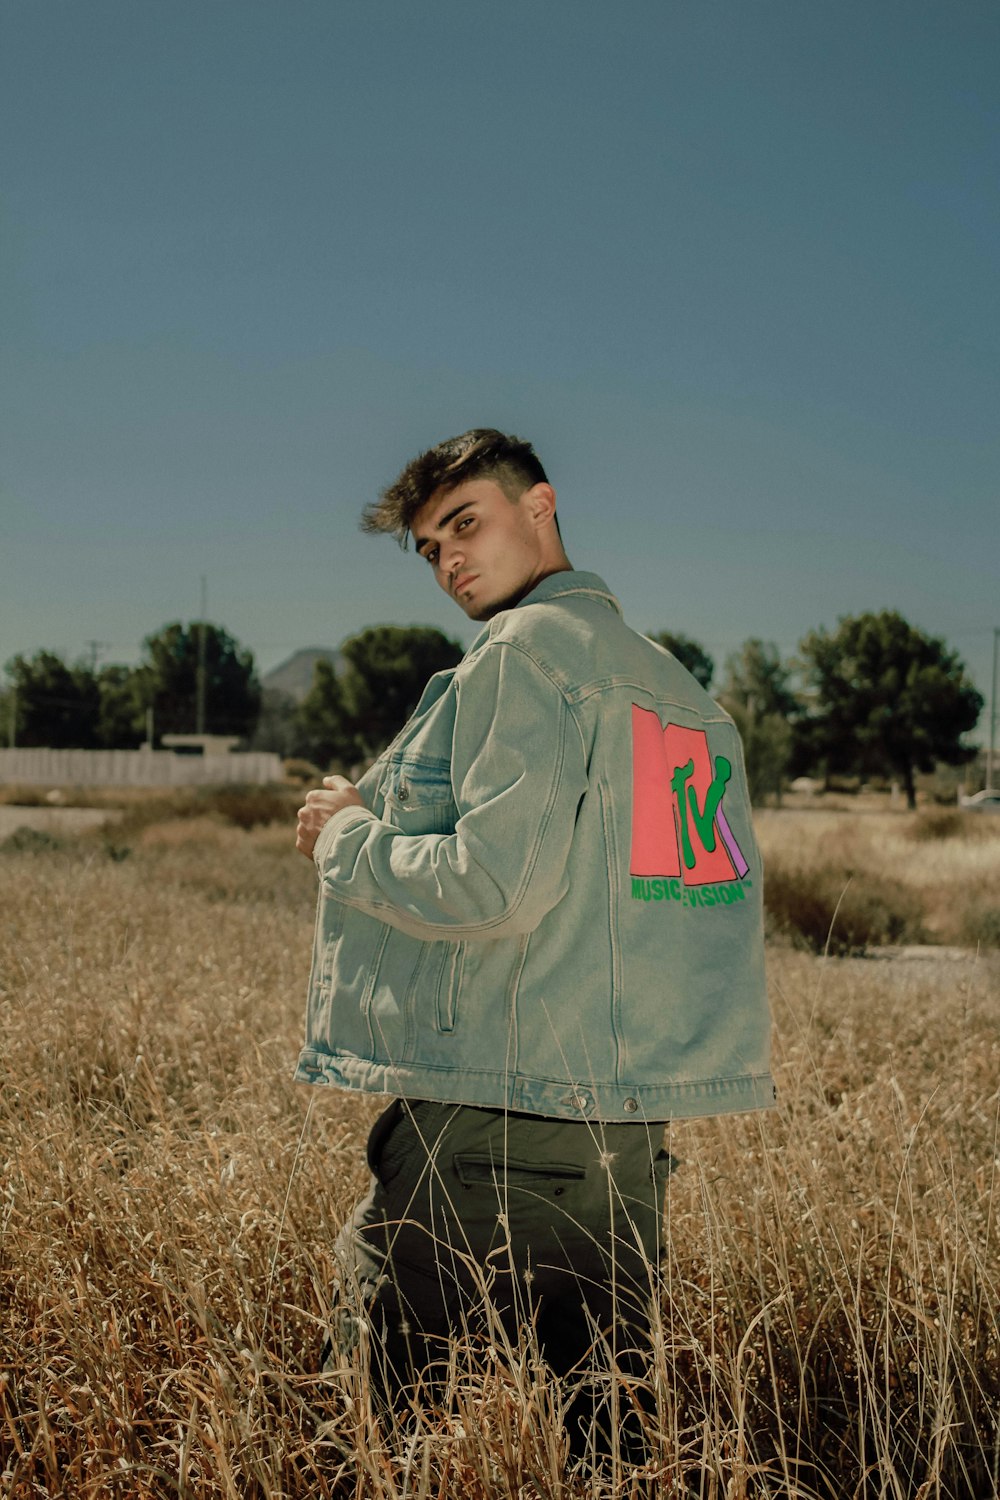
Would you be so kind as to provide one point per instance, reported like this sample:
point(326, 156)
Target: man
point(539, 928)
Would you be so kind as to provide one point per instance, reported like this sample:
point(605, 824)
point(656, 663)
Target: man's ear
point(541, 503)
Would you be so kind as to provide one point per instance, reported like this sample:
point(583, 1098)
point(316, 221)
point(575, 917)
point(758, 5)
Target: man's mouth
point(463, 581)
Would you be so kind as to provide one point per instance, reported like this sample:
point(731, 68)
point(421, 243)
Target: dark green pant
point(482, 1221)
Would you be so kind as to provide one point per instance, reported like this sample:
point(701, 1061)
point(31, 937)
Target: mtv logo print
point(679, 828)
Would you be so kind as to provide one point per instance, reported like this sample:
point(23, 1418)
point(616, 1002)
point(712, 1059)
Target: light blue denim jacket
point(551, 900)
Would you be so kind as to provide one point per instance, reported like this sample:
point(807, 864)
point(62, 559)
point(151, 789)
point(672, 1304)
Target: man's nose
point(450, 556)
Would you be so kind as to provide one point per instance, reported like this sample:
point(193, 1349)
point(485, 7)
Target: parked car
point(987, 800)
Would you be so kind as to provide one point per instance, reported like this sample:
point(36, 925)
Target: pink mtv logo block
point(678, 825)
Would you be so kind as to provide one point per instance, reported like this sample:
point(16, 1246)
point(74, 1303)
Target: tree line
point(875, 697)
point(78, 706)
point(198, 676)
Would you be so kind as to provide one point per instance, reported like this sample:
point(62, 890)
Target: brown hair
point(483, 451)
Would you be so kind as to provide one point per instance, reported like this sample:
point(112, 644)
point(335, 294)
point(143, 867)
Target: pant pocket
point(398, 1137)
point(378, 1137)
point(479, 1169)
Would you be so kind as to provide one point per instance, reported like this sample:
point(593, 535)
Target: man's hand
point(319, 809)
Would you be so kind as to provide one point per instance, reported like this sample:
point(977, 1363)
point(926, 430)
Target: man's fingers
point(320, 805)
point(321, 798)
point(307, 830)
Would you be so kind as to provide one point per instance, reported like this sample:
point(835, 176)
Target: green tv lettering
point(704, 818)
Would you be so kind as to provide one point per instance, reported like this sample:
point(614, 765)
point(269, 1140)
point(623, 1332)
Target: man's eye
point(431, 555)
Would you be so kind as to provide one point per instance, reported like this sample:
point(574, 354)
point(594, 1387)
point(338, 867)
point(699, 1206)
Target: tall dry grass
point(829, 1313)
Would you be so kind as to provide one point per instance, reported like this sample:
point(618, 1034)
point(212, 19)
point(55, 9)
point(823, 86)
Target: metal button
point(404, 791)
point(630, 1106)
point(579, 1101)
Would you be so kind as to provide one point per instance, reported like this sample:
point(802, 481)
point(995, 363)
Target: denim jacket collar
point(556, 586)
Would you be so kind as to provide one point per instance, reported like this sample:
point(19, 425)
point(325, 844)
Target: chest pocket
point(417, 796)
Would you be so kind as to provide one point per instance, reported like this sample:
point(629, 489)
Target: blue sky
point(732, 267)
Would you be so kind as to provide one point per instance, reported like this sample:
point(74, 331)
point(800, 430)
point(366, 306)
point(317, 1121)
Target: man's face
point(486, 550)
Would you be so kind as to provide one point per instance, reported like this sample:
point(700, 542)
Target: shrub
point(840, 911)
point(248, 806)
point(31, 841)
point(981, 926)
point(846, 785)
point(940, 823)
point(240, 805)
point(303, 772)
point(15, 795)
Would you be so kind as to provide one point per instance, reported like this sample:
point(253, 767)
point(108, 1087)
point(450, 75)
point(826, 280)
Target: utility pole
point(199, 726)
point(993, 712)
point(96, 647)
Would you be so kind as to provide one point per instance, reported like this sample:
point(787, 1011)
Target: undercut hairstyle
point(483, 452)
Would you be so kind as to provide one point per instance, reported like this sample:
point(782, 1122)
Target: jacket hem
point(553, 1098)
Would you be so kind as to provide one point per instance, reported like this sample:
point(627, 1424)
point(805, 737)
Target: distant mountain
point(294, 677)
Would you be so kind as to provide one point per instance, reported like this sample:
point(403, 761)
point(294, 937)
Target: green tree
point(689, 653)
point(56, 705)
point(887, 699)
point(121, 723)
point(757, 692)
point(324, 732)
point(759, 681)
point(386, 670)
point(278, 728)
point(767, 751)
point(168, 681)
point(352, 717)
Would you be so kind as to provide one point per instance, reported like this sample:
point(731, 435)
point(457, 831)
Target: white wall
point(134, 768)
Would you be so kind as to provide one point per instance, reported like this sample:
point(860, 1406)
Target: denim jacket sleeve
point(518, 772)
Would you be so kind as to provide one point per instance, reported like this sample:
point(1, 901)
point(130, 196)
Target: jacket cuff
point(335, 825)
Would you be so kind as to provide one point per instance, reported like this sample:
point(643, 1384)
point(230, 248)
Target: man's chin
point(480, 610)
point(477, 609)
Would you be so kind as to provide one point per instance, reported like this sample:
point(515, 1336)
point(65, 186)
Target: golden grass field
point(830, 1320)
